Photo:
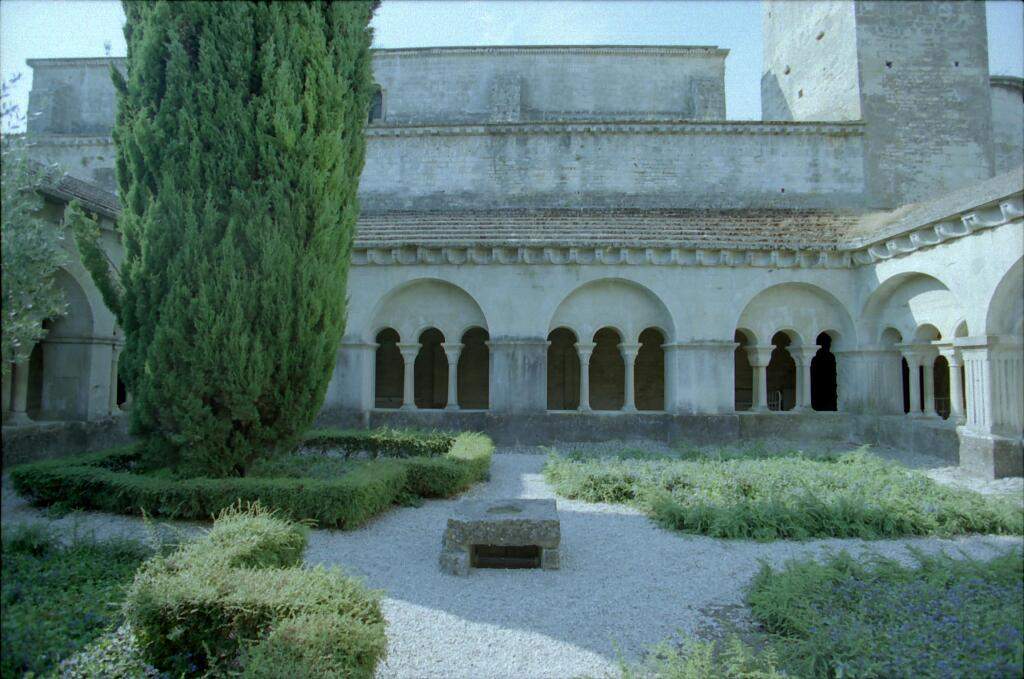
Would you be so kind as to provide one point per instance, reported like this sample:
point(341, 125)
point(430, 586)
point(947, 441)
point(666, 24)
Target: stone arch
point(607, 370)
point(824, 377)
point(907, 301)
point(474, 370)
point(743, 380)
point(430, 372)
point(649, 380)
point(801, 310)
point(781, 372)
point(626, 306)
point(563, 370)
point(1005, 315)
point(388, 370)
point(927, 332)
point(63, 366)
point(417, 305)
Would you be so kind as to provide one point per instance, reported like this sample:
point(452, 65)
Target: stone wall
point(472, 85)
point(729, 165)
point(915, 73)
point(1008, 122)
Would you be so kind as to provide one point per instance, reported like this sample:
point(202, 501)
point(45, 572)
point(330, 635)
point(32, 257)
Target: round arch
point(800, 310)
point(626, 306)
point(908, 301)
point(1005, 315)
point(417, 305)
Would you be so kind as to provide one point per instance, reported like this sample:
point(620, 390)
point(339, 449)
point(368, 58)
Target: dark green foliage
point(853, 495)
point(57, 599)
point(240, 145)
point(87, 239)
point(946, 618)
point(238, 600)
point(381, 442)
point(303, 489)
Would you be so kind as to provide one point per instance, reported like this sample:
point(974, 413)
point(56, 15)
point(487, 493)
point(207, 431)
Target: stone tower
point(916, 73)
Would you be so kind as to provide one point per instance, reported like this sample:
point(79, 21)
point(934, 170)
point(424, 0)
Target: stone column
point(956, 386)
point(759, 357)
point(585, 349)
point(700, 377)
point(518, 378)
point(115, 353)
point(409, 352)
point(992, 439)
point(352, 384)
point(803, 356)
point(869, 380)
point(452, 350)
point(928, 357)
point(19, 394)
point(913, 359)
point(629, 352)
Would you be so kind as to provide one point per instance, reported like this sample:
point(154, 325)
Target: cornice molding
point(986, 216)
point(663, 127)
point(606, 255)
point(618, 50)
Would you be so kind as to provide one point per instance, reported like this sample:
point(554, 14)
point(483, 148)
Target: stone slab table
point(501, 534)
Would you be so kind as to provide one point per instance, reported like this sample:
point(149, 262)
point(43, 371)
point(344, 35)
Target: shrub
point(237, 600)
point(384, 441)
point(114, 481)
point(58, 598)
point(944, 618)
point(705, 660)
point(240, 143)
point(853, 495)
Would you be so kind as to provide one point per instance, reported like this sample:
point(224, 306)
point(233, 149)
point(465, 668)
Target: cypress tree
point(240, 145)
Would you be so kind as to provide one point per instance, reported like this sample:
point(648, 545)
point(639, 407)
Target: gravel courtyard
point(624, 582)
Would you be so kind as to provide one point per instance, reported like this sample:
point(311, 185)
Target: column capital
point(409, 349)
point(452, 348)
point(585, 349)
point(759, 355)
point(952, 355)
point(804, 355)
point(629, 349)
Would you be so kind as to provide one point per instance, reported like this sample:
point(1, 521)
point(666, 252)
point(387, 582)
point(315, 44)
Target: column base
point(451, 408)
point(16, 419)
point(989, 455)
point(408, 406)
point(801, 409)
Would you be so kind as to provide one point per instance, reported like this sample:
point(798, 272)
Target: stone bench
point(501, 534)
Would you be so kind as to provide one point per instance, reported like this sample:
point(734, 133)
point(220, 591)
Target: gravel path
point(624, 583)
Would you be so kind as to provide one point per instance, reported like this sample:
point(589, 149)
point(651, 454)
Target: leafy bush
point(852, 495)
point(704, 660)
point(57, 599)
point(237, 599)
point(385, 442)
point(114, 481)
point(945, 618)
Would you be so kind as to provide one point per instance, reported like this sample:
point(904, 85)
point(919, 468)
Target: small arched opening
point(607, 371)
point(430, 372)
point(388, 370)
point(824, 383)
point(649, 380)
point(941, 381)
point(563, 370)
point(36, 367)
point(474, 370)
point(744, 374)
point(781, 374)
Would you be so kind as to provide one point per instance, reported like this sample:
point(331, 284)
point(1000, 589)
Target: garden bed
point(337, 493)
point(59, 598)
point(780, 495)
point(844, 617)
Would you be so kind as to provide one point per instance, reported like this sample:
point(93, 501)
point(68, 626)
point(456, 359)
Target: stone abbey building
point(575, 241)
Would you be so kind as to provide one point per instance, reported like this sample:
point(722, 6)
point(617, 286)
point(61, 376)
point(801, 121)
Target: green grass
point(943, 617)
point(57, 599)
point(772, 496)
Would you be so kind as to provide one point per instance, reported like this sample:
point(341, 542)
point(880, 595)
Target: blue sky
point(79, 28)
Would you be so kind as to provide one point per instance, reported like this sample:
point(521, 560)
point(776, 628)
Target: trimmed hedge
point(237, 601)
point(383, 442)
point(106, 481)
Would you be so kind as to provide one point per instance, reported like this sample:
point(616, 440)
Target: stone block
point(498, 524)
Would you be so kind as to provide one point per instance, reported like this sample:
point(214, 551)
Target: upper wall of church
point(1008, 122)
point(467, 85)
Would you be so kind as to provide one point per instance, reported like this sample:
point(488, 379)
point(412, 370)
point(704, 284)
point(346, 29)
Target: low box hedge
point(237, 602)
point(106, 481)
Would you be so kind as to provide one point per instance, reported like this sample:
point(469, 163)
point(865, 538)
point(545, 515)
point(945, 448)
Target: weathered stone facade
point(573, 241)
